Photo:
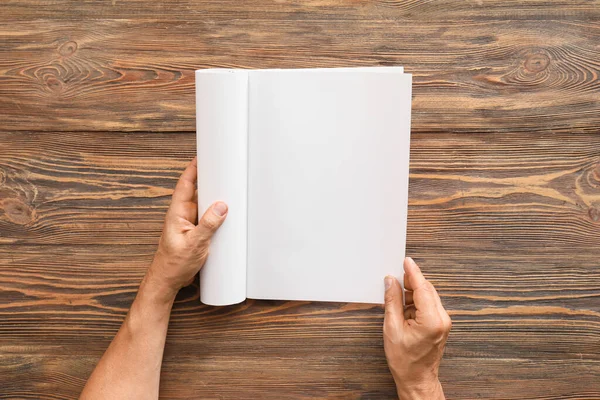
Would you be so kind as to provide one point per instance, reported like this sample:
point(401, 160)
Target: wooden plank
point(488, 73)
point(527, 193)
point(88, 188)
point(217, 10)
point(71, 300)
point(44, 377)
point(503, 224)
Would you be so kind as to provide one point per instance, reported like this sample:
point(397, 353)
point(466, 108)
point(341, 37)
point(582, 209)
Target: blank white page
point(222, 133)
point(327, 183)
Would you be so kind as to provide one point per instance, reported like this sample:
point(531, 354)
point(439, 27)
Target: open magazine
point(313, 164)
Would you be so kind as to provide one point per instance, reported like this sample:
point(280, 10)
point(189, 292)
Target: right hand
point(415, 335)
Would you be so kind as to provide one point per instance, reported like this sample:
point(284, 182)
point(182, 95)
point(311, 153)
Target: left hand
point(184, 245)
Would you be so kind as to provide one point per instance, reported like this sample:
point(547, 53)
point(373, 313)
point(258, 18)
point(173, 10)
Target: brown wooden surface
point(97, 121)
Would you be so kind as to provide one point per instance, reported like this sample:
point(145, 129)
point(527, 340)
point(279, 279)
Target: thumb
point(211, 220)
point(394, 310)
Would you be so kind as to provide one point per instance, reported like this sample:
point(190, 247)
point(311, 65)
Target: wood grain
point(64, 300)
point(503, 224)
point(482, 74)
point(549, 380)
point(476, 191)
point(211, 10)
point(97, 112)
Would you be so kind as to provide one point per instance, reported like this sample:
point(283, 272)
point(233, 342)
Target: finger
point(410, 312)
point(438, 301)
point(424, 295)
point(447, 321)
point(189, 209)
point(408, 297)
point(211, 220)
point(413, 277)
point(394, 310)
point(186, 186)
point(195, 198)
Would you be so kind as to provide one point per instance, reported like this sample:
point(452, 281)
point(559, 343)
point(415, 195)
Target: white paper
point(328, 183)
point(222, 132)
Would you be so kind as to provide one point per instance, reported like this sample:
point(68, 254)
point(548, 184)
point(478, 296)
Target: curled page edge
point(222, 149)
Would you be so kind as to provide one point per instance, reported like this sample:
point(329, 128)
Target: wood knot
point(594, 214)
point(18, 212)
point(537, 62)
point(67, 49)
point(54, 83)
point(596, 172)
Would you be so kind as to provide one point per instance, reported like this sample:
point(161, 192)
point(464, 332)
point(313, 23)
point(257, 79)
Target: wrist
point(155, 292)
point(424, 391)
point(156, 283)
point(149, 313)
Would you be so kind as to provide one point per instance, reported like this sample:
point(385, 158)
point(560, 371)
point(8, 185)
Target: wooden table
point(97, 121)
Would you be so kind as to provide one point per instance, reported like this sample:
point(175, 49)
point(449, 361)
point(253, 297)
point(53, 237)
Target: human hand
point(184, 246)
point(414, 336)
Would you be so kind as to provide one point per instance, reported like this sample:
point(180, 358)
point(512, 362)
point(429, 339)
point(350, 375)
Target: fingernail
point(389, 281)
point(219, 209)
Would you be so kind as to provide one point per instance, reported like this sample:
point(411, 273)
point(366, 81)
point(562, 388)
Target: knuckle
point(209, 224)
point(202, 248)
point(428, 286)
point(447, 323)
point(438, 328)
point(389, 298)
point(391, 334)
point(387, 329)
point(202, 260)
